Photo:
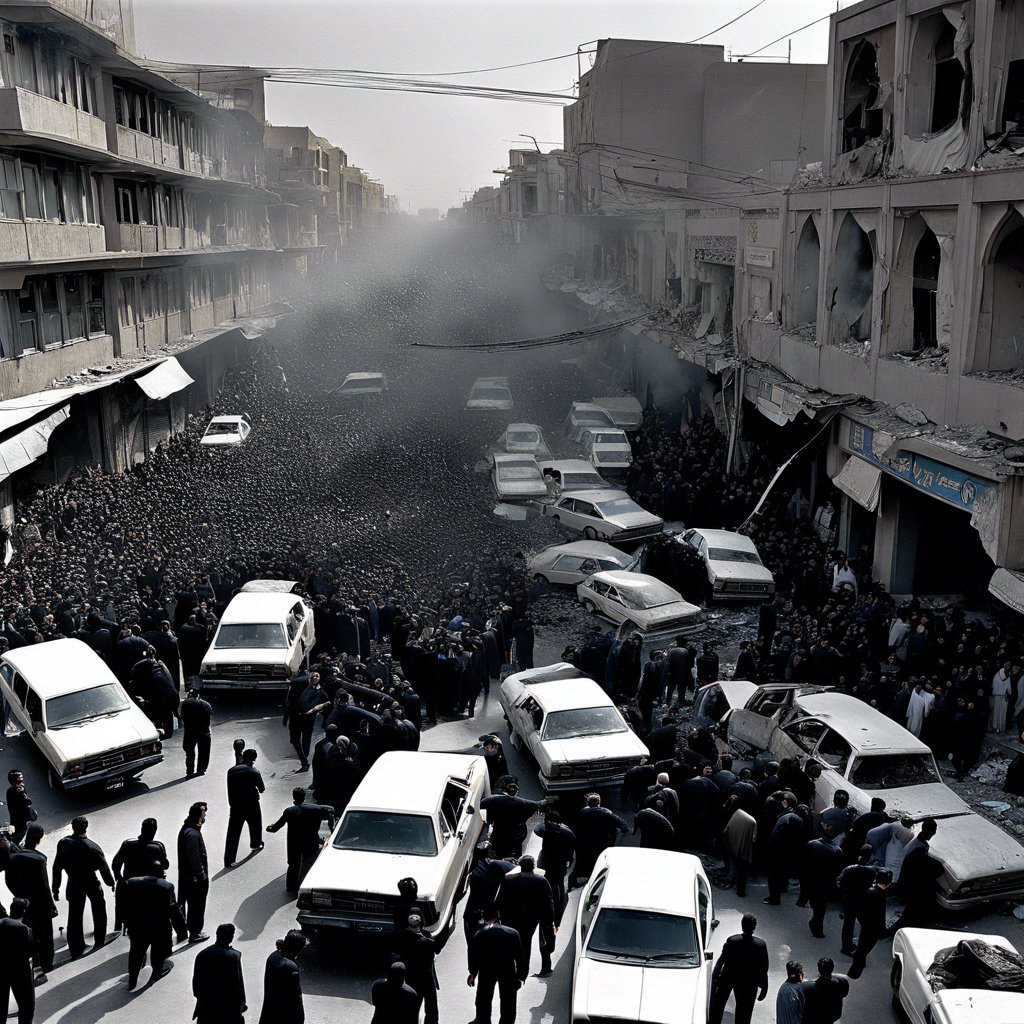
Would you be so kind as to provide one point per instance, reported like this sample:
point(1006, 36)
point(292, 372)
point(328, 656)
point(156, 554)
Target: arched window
point(861, 121)
point(808, 259)
point(927, 257)
point(853, 283)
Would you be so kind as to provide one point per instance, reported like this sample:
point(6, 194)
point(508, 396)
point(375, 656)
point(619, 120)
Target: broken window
point(861, 120)
point(1006, 299)
point(853, 288)
point(808, 261)
point(949, 80)
point(1013, 101)
point(939, 79)
point(927, 258)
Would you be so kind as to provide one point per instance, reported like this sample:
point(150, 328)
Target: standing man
point(19, 807)
point(496, 957)
point(302, 841)
point(16, 964)
point(918, 875)
point(742, 969)
point(416, 950)
point(678, 671)
point(596, 829)
point(789, 1003)
point(193, 872)
point(195, 719)
point(245, 784)
point(822, 862)
point(394, 1000)
point(854, 881)
point(872, 921)
point(150, 911)
point(133, 859)
point(217, 981)
point(557, 844)
point(648, 692)
point(784, 844)
point(823, 997)
point(82, 860)
point(28, 878)
point(313, 700)
point(507, 814)
point(525, 903)
point(282, 986)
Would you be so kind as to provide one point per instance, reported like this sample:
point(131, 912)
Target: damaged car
point(524, 439)
point(609, 514)
point(517, 478)
point(584, 416)
point(638, 603)
point(573, 562)
point(735, 571)
point(489, 393)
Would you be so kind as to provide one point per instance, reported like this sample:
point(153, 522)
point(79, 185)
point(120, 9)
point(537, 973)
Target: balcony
point(42, 241)
point(135, 145)
point(24, 111)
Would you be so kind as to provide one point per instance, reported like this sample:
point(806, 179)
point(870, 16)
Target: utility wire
point(809, 24)
point(551, 339)
point(728, 23)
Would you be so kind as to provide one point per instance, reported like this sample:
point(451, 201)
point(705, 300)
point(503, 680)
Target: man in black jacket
point(416, 950)
point(151, 911)
point(557, 845)
point(133, 859)
point(193, 872)
point(678, 671)
point(83, 861)
point(217, 981)
point(282, 985)
point(507, 815)
point(496, 958)
point(823, 997)
point(245, 784)
point(872, 921)
point(742, 969)
point(27, 877)
point(16, 964)
point(648, 692)
point(596, 829)
point(394, 1000)
point(302, 841)
point(853, 882)
point(484, 882)
point(525, 903)
point(19, 806)
point(195, 719)
point(822, 862)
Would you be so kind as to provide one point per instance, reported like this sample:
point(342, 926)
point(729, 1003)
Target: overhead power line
point(810, 24)
point(714, 31)
point(521, 344)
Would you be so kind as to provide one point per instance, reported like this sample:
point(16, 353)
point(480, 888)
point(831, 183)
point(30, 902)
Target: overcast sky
point(435, 150)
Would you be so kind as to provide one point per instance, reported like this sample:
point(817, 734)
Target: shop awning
point(27, 445)
point(861, 481)
point(1008, 586)
point(165, 379)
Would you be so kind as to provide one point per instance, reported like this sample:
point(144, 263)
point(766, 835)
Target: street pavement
point(336, 976)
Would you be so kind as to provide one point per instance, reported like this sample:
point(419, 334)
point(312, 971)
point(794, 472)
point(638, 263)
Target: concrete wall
point(34, 370)
point(21, 110)
point(24, 241)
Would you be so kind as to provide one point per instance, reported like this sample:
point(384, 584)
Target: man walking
point(596, 829)
point(918, 875)
point(133, 859)
point(525, 903)
point(507, 815)
point(282, 985)
point(742, 970)
point(872, 921)
point(303, 836)
point(217, 981)
point(822, 862)
point(195, 720)
point(28, 878)
point(150, 912)
point(19, 807)
point(557, 844)
point(82, 860)
point(823, 997)
point(394, 1000)
point(193, 872)
point(496, 958)
point(854, 881)
point(415, 949)
point(16, 964)
point(789, 1003)
point(245, 784)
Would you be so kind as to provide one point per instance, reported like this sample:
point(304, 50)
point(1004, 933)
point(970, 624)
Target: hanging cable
point(567, 338)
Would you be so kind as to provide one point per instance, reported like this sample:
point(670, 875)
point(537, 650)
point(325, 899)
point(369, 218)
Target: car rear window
point(387, 832)
point(733, 555)
point(563, 725)
point(892, 771)
point(492, 394)
point(216, 429)
point(523, 437)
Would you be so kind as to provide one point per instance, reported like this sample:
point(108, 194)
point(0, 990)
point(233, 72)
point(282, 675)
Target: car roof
point(630, 579)
point(61, 666)
point(269, 587)
point(525, 457)
point(569, 465)
point(643, 879)
point(490, 382)
point(228, 419)
point(736, 540)
point(364, 376)
point(596, 495)
point(523, 426)
point(586, 548)
point(569, 694)
point(410, 780)
point(861, 725)
point(587, 407)
point(258, 607)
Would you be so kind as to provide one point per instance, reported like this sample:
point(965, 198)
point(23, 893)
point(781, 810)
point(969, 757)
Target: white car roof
point(410, 781)
point(516, 458)
point(726, 538)
point(568, 465)
point(268, 586)
point(363, 376)
point(864, 727)
point(659, 880)
point(258, 607)
point(570, 694)
point(523, 426)
point(586, 549)
point(597, 496)
point(229, 419)
point(632, 580)
point(60, 666)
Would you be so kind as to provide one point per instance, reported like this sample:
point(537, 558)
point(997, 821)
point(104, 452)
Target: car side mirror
point(709, 956)
point(470, 809)
point(38, 726)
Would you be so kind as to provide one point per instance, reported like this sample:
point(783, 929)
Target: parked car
point(356, 384)
point(79, 716)
point(734, 568)
point(583, 416)
point(610, 514)
point(572, 475)
point(626, 412)
point(524, 438)
point(639, 603)
point(913, 952)
point(415, 814)
point(489, 393)
point(643, 932)
point(713, 702)
point(517, 478)
point(575, 561)
point(262, 640)
point(226, 430)
point(866, 753)
point(610, 451)
point(572, 728)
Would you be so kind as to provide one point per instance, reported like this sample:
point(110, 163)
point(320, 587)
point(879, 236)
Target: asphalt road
point(337, 977)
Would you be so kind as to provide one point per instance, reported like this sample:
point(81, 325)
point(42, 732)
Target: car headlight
point(321, 899)
point(563, 770)
point(719, 584)
point(74, 769)
point(305, 900)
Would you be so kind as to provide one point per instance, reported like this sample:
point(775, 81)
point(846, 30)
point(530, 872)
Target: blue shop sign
point(953, 485)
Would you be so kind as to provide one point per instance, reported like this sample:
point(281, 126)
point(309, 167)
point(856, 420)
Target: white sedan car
point(913, 952)
point(517, 478)
point(524, 439)
point(643, 928)
point(607, 514)
point(226, 430)
point(639, 604)
point(489, 393)
point(734, 568)
point(610, 451)
point(362, 384)
point(584, 416)
point(575, 561)
point(572, 728)
point(572, 475)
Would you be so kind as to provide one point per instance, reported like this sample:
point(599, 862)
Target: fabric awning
point(165, 379)
point(27, 445)
point(861, 481)
point(1008, 586)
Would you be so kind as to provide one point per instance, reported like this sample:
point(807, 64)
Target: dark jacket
point(743, 961)
point(16, 946)
point(303, 823)
point(192, 859)
point(27, 877)
point(195, 716)
point(150, 908)
point(136, 857)
point(282, 991)
point(823, 999)
point(244, 785)
point(525, 900)
point(394, 1004)
point(218, 984)
point(496, 950)
point(557, 844)
point(81, 858)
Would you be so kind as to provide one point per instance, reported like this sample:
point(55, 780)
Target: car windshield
point(387, 832)
point(595, 418)
point(523, 437)
point(733, 555)
point(222, 428)
point(609, 437)
point(492, 394)
point(71, 708)
point(564, 725)
point(893, 771)
point(654, 595)
point(519, 473)
point(581, 481)
point(645, 936)
point(618, 507)
point(251, 634)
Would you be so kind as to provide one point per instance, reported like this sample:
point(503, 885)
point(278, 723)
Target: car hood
point(540, 451)
point(929, 800)
point(652, 616)
point(76, 742)
point(246, 656)
point(522, 488)
point(595, 748)
point(740, 571)
point(970, 1005)
point(632, 520)
point(488, 403)
point(611, 455)
point(654, 995)
point(973, 847)
point(357, 871)
point(221, 439)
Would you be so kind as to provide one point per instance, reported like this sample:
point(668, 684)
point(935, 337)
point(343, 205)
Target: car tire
point(554, 515)
point(52, 780)
point(590, 533)
point(895, 980)
point(589, 607)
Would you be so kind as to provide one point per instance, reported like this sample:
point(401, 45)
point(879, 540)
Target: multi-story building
point(532, 192)
point(483, 208)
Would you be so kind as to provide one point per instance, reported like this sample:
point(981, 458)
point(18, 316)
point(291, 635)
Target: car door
point(16, 690)
point(755, 722)
point(612, 605)
point(705, 919)
point(590, 904)
point(452, 828)
point(797, 737)
point(533, 719)
point(566, 569)
point(565, 512)
point(834, 754)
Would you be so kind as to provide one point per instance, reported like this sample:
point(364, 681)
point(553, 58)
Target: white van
point(78, 715)
point(262, 640)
